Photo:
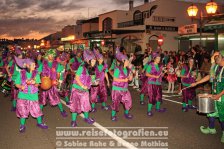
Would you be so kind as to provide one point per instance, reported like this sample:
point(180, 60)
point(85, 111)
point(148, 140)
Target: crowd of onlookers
point(177, 58)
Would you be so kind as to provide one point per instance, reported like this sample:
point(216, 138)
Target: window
point(138, 20)
point(107, 24)
point(137, 15)
point(145, 14)
point(152, 10)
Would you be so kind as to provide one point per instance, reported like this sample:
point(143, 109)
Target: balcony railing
point(130, 23)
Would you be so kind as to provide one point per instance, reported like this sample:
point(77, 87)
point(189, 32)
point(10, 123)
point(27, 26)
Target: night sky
point(38, 18)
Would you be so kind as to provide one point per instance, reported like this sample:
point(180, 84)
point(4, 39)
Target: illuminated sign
point(69, 38)
point(187, 29)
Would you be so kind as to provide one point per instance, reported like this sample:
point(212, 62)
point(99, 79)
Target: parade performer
point(154, 86)
point(76, 61)
point(100, 90)
point(50, 68)
point(120, 91)
point(172, 77)
point(27, 81)
point(12, 71)
point(79, 99)
point(1, 65)
point(144, 81)
point(72, 67)
point(216, 77)
point(62, 59)
point(188, 76)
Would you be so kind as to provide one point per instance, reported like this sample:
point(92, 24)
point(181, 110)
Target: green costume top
point(79, 59)
point(28, 96)
point(62, 71)
point(16, 70)
point(183, 73)
point(145, 66)
point(149, 69)
point(40, 69)
point(78, 73)
point(1, 62)
point(40, 66)
point(100, 68)
point(113, 64)
point(116, 75)
point(218, 87)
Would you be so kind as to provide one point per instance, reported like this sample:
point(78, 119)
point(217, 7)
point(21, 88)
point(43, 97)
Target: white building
point(141, 25)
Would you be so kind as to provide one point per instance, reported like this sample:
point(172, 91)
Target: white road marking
point(172, 101)
point(108, 132)
point(111, 134)
point(172, 95)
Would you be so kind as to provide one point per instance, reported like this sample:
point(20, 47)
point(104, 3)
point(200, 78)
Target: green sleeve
point(37, 79)
point(18, 79)
point(10, 63)
point(182, 72)
point(1, 64)
point(60, 68)
point(79, 71)
point(112, 65)
point(145, 66)
point(148, 69)
point(72, 60)
point(39, 62)
point(116, 73)
point(40, 68)
point(106, 70)
point(79, 60)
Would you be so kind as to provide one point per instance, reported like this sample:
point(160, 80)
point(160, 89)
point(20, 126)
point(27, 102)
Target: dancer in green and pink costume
point(154, 86)
point(100, 90)
point(50, 68)
point(27, 81)
point(80, 99)
point(120, 92)
point(12, 71)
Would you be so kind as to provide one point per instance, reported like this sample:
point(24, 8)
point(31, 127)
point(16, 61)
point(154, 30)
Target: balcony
point(130, 23)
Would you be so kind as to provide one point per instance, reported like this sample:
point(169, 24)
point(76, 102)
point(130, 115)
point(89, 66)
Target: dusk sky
point(38, 18)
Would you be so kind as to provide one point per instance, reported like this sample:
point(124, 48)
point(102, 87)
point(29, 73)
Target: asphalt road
point(183, 128)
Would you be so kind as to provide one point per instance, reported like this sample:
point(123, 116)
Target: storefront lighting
point(209, 38)
point(69, 38)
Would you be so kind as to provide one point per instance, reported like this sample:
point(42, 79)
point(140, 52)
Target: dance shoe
point(64, 114)
point(89, 120)
point(13, 109)
point(192, 107)
point(93, 110)
point(150, 113)
point(106, 108)
point(184, 109)
point(22, 128)
point(161, 110)
point(207, 130)
point(142, 103)
point(128, 116)
point(42, 126)
point(114, 118)
point(73, 124)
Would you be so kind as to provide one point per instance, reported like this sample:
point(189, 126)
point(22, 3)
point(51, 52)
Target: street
point(183, 128)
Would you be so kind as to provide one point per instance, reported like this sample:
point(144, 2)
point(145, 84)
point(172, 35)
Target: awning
point(190, 36)
point(218, 25)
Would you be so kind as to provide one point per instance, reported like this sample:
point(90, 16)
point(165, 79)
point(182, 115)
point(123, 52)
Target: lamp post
point(211, 8)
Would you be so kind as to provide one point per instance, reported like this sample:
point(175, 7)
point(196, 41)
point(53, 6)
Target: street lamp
point(211, 8)
point(192, 11)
